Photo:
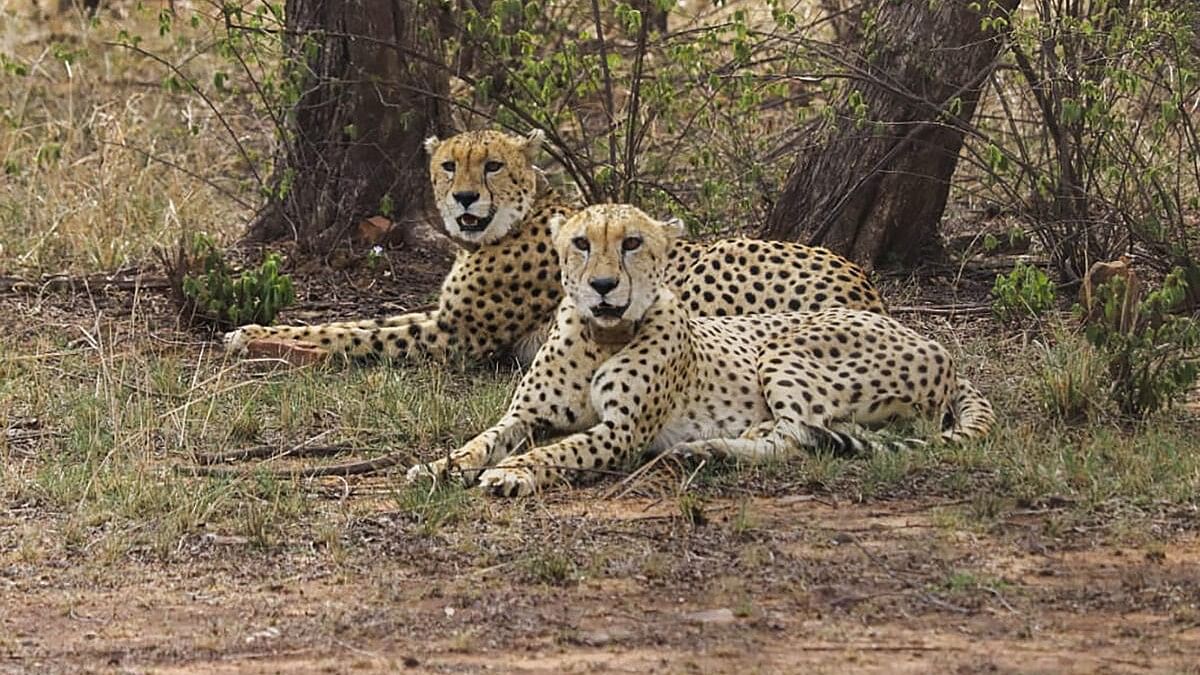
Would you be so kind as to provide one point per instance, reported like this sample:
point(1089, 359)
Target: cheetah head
point(613, 259)
point(484, 183)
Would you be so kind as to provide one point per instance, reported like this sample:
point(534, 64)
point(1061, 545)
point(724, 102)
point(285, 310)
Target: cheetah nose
point(466, 198)
point(604, 284)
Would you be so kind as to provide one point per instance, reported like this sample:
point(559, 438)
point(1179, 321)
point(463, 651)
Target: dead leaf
point(374, 230)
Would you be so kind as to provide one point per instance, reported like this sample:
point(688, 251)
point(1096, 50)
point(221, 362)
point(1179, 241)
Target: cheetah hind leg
point(760, 442)
point(784, 439)
point(719, 447)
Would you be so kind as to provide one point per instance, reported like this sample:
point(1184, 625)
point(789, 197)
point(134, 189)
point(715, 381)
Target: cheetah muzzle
point(607, 311)
point(468, 222)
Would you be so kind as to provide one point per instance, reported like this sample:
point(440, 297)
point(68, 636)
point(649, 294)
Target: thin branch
point(204, 97)
point(359, 468)
point(632, 116)
point(609, 100)
point(182, 169)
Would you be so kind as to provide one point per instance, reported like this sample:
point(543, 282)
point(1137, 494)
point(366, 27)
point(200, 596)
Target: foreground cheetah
point(625, 368)
point(501, 293)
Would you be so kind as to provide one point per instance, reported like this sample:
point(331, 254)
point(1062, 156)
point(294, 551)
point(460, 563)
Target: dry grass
point(101, 160)
point(95, 424)
point(106, 548)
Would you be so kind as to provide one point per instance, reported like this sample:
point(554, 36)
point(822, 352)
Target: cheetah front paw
point(462, 463)
point(431, 472)
point(237, 341)
point(703, 450)
point(509, 481)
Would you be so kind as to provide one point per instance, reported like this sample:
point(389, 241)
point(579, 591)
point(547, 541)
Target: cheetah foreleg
point(498, 442)
point(319, 335)
point(386, 322)
point(520, 475)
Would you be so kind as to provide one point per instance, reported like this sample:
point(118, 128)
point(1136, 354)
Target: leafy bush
point(1151, 361)
point(219, 296)
point(1094, 140)
point(671, 120)
point(1025, 291)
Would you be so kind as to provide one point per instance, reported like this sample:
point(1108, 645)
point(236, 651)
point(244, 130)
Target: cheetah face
point(484, 183)
point(613, 259)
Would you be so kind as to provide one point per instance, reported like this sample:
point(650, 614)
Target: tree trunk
point(372, 88)
point(654, 15)
point(845, 20)
point(875, 180)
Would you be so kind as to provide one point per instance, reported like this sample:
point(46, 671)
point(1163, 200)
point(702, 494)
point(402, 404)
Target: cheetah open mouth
point(470, 223)
point(607, 311)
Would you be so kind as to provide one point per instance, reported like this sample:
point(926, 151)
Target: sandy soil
point(810, 586)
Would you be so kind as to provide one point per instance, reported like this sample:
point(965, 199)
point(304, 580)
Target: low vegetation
point(216, 294)
point(110, 413)
point(110, 399)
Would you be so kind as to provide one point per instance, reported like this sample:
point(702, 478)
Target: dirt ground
point(811, 585)
point(789, 578)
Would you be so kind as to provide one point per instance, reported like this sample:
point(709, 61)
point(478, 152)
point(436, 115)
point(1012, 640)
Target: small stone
point(723, 615)
point(294, 353)
point(597, 638)
point(226, 539)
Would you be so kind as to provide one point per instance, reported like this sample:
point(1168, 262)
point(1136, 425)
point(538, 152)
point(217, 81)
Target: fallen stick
point(358, 468)
point(268, 451)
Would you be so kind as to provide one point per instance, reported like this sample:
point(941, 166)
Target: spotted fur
point(504, 286)
point(625, 368)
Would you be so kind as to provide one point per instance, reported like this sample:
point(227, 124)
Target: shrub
point(1151, 360)
point(1025, 291)
point(219, 296)
point(1093, 140)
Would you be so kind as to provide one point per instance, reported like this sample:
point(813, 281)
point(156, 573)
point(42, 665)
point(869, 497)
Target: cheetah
point(500, 294)
point(626, 368)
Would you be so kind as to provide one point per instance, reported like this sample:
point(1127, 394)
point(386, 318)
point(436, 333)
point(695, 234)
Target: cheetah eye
point(582, 243)
point(493, 166)
point(631, 243)
point(448, 167)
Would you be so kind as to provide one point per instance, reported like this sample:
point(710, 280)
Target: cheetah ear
point(556, 222)
point(432, 144)
point(673, 227)
point(532, 143)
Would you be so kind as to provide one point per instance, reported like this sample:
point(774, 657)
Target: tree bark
point(372, 88)
point(845, 20)
point(876, 184)
point(654, 15)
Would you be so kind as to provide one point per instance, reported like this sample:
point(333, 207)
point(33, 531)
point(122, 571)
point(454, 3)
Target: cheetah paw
point(511, 481)
point(443, 469)
point(433, 472)
point(702, 450)
point(237, 341)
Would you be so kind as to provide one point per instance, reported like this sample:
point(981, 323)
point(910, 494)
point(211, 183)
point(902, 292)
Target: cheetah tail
point(970, 414)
